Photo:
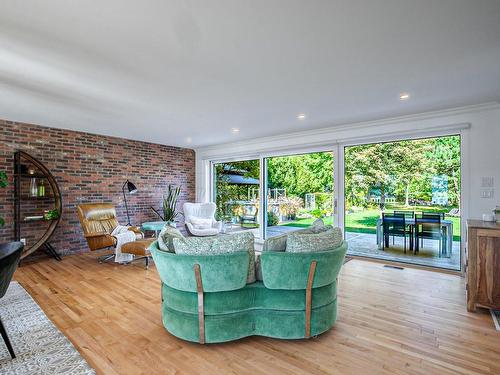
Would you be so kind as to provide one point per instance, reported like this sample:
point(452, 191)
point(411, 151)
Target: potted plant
point(3, 183)
point(170, 204)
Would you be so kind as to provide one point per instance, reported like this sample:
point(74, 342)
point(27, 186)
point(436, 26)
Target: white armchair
point(200, 219)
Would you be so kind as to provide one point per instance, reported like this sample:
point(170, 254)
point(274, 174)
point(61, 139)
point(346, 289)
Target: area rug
point(495, 314)
point(39, 346)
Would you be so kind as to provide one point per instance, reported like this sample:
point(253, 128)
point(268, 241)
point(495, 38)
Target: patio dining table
point(446, 224)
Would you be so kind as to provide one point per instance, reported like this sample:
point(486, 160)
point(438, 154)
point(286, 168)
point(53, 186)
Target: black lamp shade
point(131, 188)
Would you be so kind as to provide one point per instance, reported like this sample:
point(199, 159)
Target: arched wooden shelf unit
point(29, 170)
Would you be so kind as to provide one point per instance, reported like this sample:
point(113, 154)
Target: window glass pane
point(299, 191)
point(236, 190)
point(418, 179)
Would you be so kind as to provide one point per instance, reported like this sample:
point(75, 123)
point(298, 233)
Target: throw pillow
point(277, 243)
point(224, 244)
point(166, 236)
point(200, 223)
point(312, 242)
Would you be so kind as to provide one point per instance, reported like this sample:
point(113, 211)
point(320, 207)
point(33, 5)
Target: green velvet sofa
point(206, 298)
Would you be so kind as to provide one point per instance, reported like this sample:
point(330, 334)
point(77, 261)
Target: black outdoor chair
point(433, 214)
point(10, 253)
point(407, 214)
point(428, 226)
point(395, 225)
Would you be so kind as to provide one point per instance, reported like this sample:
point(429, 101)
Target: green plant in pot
point(170, 204)
point(3, 184)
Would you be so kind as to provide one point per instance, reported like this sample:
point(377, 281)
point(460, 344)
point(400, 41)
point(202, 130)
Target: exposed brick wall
point(93, 168)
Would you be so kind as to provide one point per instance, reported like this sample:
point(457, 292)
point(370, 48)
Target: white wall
point(481, 155)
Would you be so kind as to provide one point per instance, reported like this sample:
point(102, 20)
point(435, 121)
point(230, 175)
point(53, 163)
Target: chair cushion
point(166, 236)
point(202, 232)
point(312, 242)
point(224, 244)
point(201, 223)
point(139, 247)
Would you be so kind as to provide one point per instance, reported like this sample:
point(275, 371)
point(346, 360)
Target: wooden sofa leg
point(201, 313)
point(310, 278)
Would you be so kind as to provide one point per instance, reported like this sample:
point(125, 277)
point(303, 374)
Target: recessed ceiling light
point(189, 139)
point(404, 96)
point(301, 116)
point(235, 130)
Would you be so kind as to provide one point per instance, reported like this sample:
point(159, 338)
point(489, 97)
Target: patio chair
point(407, 214)
point(250, 216)
point(200, 219)
point(433, 214)
point(428, 226)
point(395, 225)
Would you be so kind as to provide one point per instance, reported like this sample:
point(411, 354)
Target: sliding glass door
point(299, 189)
point(402, 201)
point(236, 191)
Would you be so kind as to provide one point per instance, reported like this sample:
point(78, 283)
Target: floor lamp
point(131, 188)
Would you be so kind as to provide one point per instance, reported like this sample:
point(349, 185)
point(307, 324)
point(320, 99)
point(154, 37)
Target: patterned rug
point(39, 346)
point(495, 314)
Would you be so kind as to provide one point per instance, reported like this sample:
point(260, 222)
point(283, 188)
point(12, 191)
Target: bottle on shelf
point(33, 188)
point(41, 189)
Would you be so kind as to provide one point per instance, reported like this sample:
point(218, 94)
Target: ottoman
point(140, 249)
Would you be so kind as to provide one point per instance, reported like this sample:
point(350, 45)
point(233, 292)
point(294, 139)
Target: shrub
point(272, 219)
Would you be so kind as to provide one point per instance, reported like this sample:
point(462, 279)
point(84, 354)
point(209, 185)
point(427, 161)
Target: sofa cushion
point(278, 243)
point(222, 244)
point(258, 268)
point(312, 242)
point(166, 236)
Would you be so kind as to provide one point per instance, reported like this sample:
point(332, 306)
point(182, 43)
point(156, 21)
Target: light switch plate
point(487, 193)
point(487, 182)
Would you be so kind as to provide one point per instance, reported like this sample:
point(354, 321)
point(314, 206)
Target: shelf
point(26, 205)
point(26, 175)
point(39, 219)
point(29, 198)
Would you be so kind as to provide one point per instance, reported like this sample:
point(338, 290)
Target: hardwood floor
point(390, 322)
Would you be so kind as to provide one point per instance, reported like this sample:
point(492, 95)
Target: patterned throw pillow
point(277, 243)
point(166, 236)
point(224, 244)
point(312, 242)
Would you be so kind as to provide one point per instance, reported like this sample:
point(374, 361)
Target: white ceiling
point(166, 71)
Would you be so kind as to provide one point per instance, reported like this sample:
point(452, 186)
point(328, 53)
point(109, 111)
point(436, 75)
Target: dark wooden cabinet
point(483, 265)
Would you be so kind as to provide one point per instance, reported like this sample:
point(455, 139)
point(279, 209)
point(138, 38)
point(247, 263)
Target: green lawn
point(366, 221)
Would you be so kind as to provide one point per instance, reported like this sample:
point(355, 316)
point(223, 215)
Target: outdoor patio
point(362, 244)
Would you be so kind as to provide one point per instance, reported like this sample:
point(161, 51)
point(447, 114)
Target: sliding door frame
point(461, 130)
point(338, 149)
point(333, 148)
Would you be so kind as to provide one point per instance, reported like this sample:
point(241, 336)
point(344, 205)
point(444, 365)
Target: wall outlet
point(23, 240)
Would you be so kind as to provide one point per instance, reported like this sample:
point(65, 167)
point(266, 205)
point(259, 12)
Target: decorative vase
point(173, 224)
